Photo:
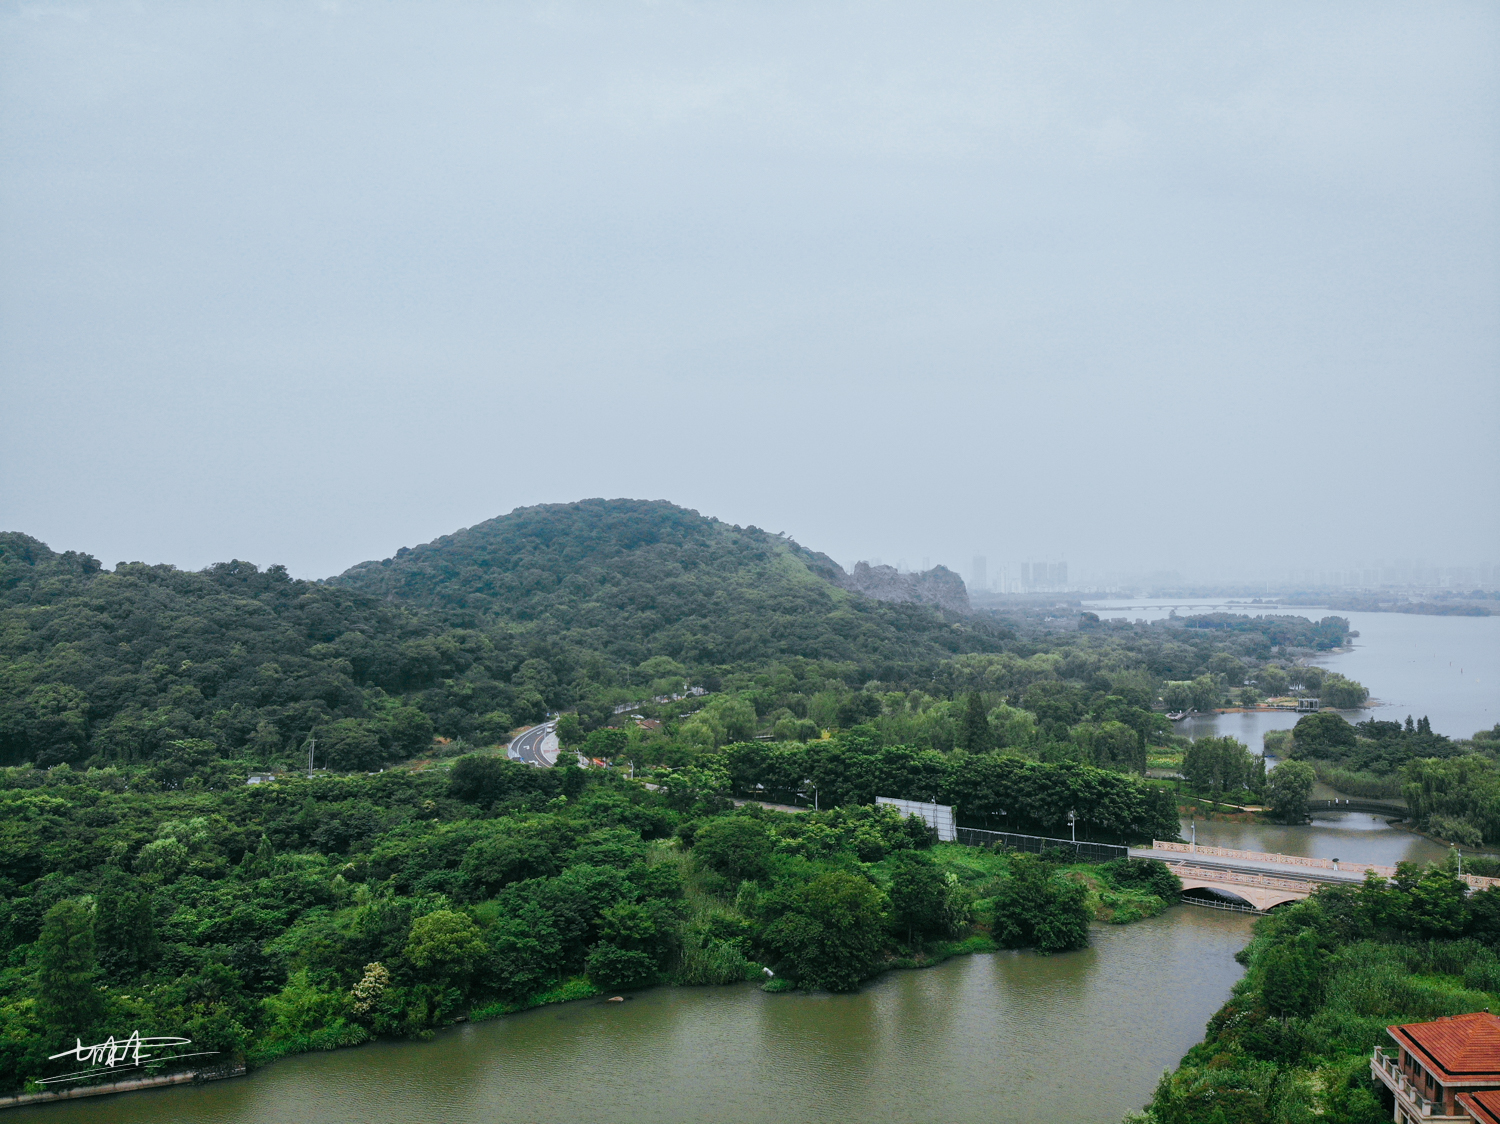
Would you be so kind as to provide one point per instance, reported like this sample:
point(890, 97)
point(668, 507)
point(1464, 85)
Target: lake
point(1447, 668)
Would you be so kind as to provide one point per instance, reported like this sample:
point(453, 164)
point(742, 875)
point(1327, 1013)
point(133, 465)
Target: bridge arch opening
point(1220, 899)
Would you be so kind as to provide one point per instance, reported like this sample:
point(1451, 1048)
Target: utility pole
point(312, 748)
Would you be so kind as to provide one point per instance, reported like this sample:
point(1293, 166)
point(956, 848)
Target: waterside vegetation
point(309, 914)
point(1450, 786)
point(1323, 979)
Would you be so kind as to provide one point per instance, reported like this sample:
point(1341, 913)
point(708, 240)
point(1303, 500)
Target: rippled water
point(1017, 1037)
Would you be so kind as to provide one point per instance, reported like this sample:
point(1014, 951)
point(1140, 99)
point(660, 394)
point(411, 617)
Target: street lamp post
point(1073, 825)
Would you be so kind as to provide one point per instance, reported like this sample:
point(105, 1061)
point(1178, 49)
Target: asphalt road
point(528, 745)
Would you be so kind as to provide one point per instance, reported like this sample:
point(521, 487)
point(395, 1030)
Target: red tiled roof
point(1458, 1049)
point(1483, 1106)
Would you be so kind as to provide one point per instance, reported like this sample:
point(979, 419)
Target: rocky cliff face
point(938, 586)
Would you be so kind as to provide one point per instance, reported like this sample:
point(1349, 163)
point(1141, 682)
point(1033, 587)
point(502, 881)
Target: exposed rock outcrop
point(938, 586)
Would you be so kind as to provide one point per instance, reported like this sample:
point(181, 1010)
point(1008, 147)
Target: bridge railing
point(1083, 850)
point(1264, 857)
point(1240, 878)
point(1474, 881)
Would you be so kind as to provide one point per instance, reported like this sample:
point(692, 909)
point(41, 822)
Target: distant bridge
point(1373, 807)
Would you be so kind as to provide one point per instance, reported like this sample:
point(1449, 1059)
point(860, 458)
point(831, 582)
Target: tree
point(1293, 981)
point(444, 944)
point(611, 966)
point(1307, 678)
point(570, 731)
point(351, 745)
point(1439, 904)
point(918, 894)
point(1151, 875)
point(1323, 735)
point(606, 743)
point(527, 950)
point(1227, 668)
point(67, 998)
point(410, 730)
point(832, 932)
point(124, 924)
point(1272, 679)
point(1218, 765)
point(496, 862)
point(974, 731)
point(635, 941)
point(1288, 787)
point(737, 847)
point(1117, 746)
point(1206, 692)
point(1343, 693)
point(1177, 694)
point(1034, 909)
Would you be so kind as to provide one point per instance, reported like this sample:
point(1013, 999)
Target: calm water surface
point(1348, 835)
point(1082, 1036)
point(1447, 668)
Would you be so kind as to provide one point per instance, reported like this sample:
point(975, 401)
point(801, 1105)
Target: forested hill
point(636, 579)
point(543, 609)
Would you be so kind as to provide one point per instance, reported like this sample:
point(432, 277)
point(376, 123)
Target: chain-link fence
point(1082, 850)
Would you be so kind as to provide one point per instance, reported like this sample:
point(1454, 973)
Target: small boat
point(1176, 715)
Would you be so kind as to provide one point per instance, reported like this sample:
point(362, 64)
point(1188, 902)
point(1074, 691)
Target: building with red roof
point(1446, 1070)
point(1482, 1107)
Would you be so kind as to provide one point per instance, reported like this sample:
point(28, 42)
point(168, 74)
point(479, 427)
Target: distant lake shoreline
point(1444, 667)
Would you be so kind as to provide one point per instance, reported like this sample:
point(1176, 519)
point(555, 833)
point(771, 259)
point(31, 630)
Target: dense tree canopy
point(304, 914)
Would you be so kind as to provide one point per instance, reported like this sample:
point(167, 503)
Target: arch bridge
point(1373, 807)
point(1260, 891)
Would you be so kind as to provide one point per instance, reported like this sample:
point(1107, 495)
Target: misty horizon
point(1211, 291)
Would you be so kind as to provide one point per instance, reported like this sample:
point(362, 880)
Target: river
point(1008, 1037)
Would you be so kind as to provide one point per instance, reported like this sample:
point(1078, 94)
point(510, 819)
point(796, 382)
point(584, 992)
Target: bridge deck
point(1278, 866)
point(1267, 866)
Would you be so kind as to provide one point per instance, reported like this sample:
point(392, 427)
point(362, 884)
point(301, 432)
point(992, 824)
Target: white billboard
point(939, 817)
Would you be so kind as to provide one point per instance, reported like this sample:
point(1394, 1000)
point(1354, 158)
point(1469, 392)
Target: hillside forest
point(419, 876)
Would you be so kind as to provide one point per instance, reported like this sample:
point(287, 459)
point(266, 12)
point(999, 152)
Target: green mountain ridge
point(637, 579)
point(538, 610)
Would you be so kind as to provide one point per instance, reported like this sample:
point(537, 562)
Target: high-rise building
point(979, 577)
point(1025, 575)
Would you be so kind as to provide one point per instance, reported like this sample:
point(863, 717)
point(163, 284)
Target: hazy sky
point(1209, 286)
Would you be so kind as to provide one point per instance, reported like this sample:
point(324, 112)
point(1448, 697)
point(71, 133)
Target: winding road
point(527, 746)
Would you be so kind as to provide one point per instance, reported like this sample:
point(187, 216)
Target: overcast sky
point(1204, 286)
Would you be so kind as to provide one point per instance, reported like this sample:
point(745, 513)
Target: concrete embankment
point(130, 1086)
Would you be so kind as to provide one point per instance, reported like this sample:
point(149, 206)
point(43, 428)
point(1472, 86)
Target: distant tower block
point(979, 573)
